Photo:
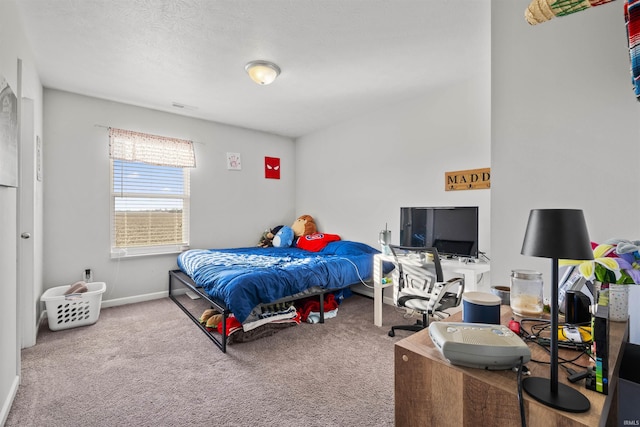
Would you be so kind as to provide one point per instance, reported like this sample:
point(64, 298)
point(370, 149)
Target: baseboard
point(132, 300)
point(118, 301)
point(43, 315)
point(6, 405)
point(124, 301)
point(362, 290)
point(368, 292)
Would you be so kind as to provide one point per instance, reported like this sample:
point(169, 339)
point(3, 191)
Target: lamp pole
point(554, 327)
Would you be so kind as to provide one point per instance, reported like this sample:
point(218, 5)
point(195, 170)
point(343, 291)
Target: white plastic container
point(70, 311)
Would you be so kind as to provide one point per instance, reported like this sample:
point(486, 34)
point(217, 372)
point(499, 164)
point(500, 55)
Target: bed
point(238, 282)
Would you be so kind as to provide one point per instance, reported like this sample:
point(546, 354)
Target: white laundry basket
point(73, 310)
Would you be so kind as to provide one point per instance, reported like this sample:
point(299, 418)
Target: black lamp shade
point(557, 234)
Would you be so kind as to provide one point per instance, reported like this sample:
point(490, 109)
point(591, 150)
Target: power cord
point(358, 273)
point(577, 376)
point(411, 313)
point(521, 368)
point(533, 336)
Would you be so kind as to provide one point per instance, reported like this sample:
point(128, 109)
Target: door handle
point(25, 235)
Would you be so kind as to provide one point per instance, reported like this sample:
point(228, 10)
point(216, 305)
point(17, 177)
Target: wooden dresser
point(429, 391)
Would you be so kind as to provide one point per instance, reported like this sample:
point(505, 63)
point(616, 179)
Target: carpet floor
point(147, 364)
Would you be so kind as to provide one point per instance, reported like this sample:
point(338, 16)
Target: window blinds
point(150, 193)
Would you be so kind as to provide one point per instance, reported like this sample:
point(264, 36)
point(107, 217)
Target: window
point(149, 193)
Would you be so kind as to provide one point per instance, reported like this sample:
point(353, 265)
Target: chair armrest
point(449, 287)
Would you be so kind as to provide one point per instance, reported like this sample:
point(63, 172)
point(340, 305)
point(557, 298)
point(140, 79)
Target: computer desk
point(470, 271)
point(431, 391)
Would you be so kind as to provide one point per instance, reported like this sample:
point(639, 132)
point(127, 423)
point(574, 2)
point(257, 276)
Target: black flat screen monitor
point(453, 231)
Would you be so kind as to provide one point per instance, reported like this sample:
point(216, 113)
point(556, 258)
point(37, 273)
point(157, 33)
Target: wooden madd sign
point(472, 179)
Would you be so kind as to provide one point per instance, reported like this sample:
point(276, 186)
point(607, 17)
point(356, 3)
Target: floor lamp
point(556, 234)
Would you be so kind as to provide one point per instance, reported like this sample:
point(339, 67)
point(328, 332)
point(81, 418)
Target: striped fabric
point(632, 22)
point(540, 11)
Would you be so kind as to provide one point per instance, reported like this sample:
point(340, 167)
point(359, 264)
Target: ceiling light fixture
point(262, 72)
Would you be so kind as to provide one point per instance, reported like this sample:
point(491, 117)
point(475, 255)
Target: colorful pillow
point(316, 242)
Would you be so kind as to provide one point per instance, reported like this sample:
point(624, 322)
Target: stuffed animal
point(304, 225)
point(206, 315)
point(213, 322)
point(284, 238)
point(266, 241)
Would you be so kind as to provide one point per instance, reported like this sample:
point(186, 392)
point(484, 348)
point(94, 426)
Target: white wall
point(565, 128)
point(228, 208)
point(354, 177)
point(13, 46)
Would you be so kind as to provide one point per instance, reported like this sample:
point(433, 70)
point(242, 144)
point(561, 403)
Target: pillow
point(346, 247)
point(284, 238)
point(316, 242)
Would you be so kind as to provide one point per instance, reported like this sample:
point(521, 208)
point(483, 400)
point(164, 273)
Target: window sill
point(117, 253)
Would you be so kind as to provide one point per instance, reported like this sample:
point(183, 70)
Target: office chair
point(418, 284)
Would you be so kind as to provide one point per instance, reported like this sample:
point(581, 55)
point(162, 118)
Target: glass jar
point(526, 293)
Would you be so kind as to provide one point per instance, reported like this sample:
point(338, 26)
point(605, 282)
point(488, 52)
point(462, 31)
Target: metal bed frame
point(179, 278)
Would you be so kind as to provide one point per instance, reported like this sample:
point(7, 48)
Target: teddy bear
point(266, 241)
point(304, 225)
point(287, 236)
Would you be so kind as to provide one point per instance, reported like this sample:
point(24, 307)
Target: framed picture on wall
point(234, 161)
point(8, 135)
point(272, 167)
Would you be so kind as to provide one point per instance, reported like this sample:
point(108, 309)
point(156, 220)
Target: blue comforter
point(243, 278)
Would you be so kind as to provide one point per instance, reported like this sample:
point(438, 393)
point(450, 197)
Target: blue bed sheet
point(243, 278)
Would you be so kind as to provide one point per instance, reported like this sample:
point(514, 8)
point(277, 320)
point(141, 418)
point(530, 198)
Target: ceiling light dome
point(262, 72)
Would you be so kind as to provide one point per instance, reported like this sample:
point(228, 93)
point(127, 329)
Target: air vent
point(183, 106)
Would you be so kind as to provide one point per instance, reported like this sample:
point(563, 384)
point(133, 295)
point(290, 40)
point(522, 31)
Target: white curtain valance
point(155, 150)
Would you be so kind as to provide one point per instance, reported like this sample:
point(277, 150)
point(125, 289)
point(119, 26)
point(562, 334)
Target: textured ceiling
point(339, 58)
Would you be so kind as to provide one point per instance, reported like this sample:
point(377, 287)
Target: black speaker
point(577, 308)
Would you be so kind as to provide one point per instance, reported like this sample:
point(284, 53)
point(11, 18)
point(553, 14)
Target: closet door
point(28, 300)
